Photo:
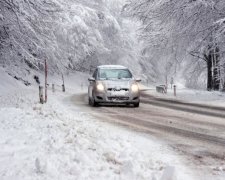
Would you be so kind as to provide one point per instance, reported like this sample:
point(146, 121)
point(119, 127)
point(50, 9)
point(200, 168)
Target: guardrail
point(161, 89)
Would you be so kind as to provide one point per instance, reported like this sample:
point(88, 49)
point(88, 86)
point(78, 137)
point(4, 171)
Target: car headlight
point(100, 87)
point(134, 88)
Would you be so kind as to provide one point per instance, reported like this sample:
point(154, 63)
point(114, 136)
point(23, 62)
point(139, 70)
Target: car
point(113, 84)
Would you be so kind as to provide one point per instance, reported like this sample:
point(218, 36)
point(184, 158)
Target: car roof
point(112, 67)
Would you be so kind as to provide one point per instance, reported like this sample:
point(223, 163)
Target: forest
point(188, 32)
point(158, 40)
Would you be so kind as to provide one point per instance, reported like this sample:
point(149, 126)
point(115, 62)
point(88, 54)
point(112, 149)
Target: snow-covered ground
point(191, 95)
point(53, 141)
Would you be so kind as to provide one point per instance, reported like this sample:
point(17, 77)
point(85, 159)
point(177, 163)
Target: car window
point(115, 74)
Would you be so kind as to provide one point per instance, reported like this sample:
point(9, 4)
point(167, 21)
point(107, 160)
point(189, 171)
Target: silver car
point(113, 84)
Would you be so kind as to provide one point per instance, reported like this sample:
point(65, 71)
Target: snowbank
point(193, 96)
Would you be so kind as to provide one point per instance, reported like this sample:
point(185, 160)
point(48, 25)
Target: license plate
point(118, 93)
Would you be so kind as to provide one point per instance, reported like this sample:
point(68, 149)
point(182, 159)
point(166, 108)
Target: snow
point(71, 35)
point(1, 17)
point(59, 140)
point(9, 83)
point(215, 98)
point(112, 67)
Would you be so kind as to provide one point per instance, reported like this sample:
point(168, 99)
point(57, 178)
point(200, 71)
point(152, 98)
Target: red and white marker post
point(46, 83)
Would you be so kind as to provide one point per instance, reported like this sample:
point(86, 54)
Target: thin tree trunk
point(209, 71)
point(216, 70)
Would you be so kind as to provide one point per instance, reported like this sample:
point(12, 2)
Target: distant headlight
point(134, 88)
point(100, 87)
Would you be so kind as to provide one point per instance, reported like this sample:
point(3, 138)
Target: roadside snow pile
point(195, 96)
point(51, 141)
point(200, 96)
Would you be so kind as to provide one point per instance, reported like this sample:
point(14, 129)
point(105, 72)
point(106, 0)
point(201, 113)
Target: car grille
point(118, 98)
point(114, 89)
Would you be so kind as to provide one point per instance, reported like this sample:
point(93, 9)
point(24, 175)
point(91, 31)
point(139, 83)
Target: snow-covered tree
point(177, 29)
point(71, 35)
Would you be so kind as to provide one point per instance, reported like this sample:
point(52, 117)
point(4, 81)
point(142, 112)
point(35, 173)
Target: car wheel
point(136, 104)
point(95, 104)
point(92, 102)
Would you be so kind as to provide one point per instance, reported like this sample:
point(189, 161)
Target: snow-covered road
point(195, 137)
point(63, 140)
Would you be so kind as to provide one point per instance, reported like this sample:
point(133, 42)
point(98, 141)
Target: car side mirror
point(138, 80)
point(91, 79)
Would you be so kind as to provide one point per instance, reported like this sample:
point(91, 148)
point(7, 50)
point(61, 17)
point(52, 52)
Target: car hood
point(118, 84)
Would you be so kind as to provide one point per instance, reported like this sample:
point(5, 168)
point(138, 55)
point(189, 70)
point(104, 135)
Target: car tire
point(92, 102)
point(95, 104)
point(136, 104)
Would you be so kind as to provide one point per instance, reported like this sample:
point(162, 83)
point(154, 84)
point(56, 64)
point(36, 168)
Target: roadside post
point(53, 88)
point(175, 90)
point(171, 82)
point(41, 94)
point(46, 83)
point(166, 84)
point(63, 85)
point(63, 88)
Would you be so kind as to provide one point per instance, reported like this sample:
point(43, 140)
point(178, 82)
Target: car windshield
point(115, 74)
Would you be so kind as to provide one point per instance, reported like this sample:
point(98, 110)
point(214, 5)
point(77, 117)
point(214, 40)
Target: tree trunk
point(223, 87)
point(209, 71)
point(213, 69)
point(216, 73)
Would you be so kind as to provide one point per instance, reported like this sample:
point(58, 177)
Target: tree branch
point(195, 55)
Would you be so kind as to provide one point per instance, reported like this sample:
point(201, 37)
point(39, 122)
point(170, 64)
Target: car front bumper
point(111, 97)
